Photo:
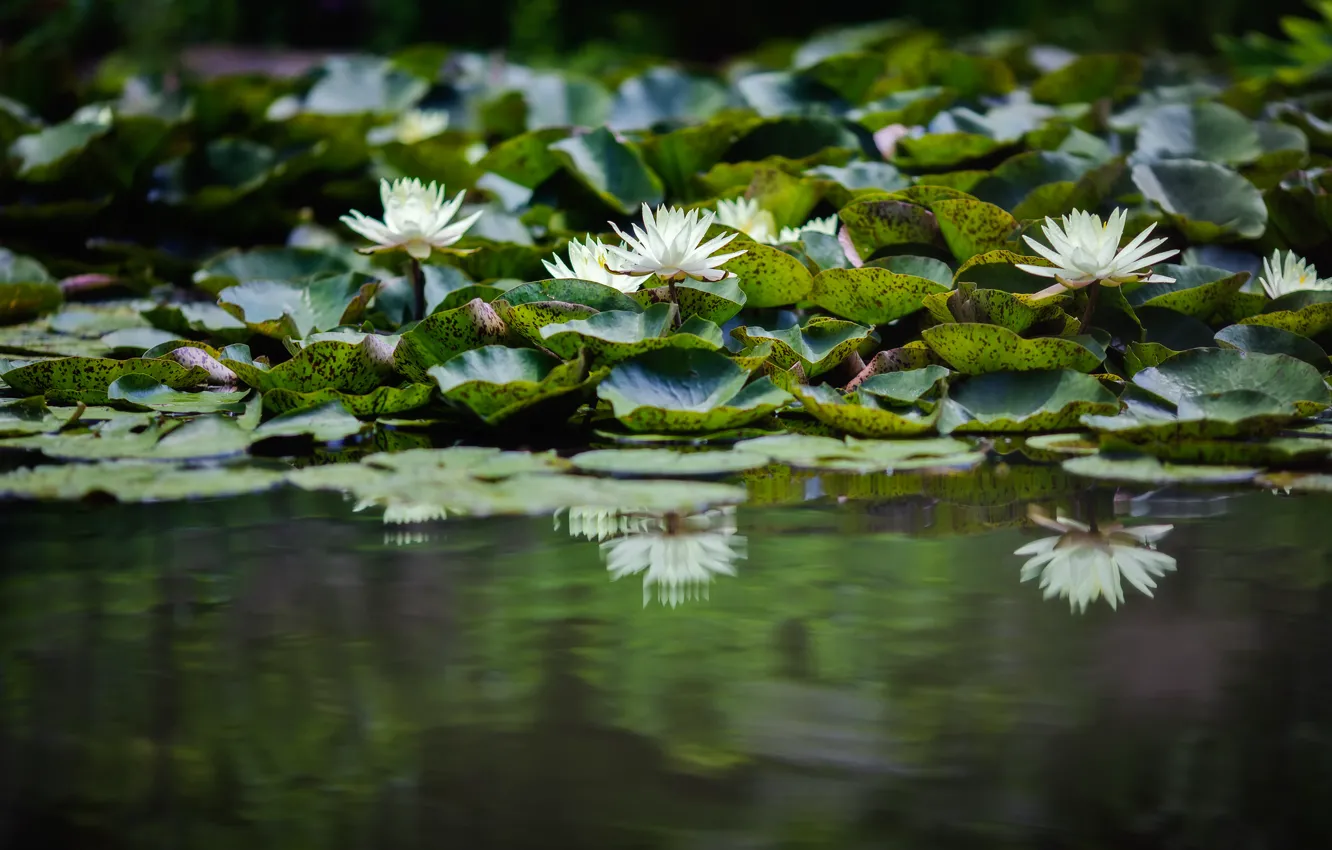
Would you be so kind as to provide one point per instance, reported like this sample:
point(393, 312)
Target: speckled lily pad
point(976, 349)
point(872, 296)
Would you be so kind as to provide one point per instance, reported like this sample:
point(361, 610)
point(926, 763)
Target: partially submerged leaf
point(873, 296)
point(1024, 402)
point(325, 365)
point(819, 346)
point(441, 336)
point(976, 349)
point(495, 382)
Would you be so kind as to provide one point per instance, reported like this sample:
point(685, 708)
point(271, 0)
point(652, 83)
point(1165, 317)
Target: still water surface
point(282, 671)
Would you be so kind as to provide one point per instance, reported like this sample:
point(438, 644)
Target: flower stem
point(675, 299)
point(418, 287)
point(1093, 295)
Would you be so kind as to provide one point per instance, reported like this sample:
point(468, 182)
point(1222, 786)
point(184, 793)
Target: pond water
point(284, 671)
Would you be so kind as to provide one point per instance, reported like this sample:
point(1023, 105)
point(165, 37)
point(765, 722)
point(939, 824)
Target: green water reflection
point(287, 672)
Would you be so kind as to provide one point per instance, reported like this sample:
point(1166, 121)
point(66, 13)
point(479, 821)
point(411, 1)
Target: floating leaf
point(280, 309)
point(944, 150)
point(667, 463)
point(1200, 131)
point(1088, 78)
point(874, 224)
point(1209, 202)
point(23, 416)
point(768, 276)
point(1149, 470)
point(77, 375)
point(441, 336)
point(861, 456)
point(136, 482)
point(145, 391)
point(1024, 402)
point(864, 415)
point(904, 387)
point(971, 227)
point(496, 382)
point(873, 296)
point(326, 365)
point(283, 264)
point(26, 288)
point(713, 301)
point(819, 346)
point(687, 391)
point(614, 335)
point(324, 424)
point(1018, 313)
point(1198, 291)
point(1305, 313)
point(1264, 339)
point(975, 349)
point(615, 171)
point(381, 401)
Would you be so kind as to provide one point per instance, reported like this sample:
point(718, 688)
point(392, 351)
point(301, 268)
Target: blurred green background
point(686, 29)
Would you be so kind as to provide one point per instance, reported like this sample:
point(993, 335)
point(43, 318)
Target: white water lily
point(826, 226)
point(1291, 273)
point(416, 219)
point(746, 216)
point(593, 523)
point(670, 245)
point(1085, 250)
point(412, 126)
point(1084, 564)
point(679, 555)
point(588, 260)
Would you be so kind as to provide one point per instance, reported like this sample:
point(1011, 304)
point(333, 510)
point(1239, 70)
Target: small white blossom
point(826, 226)
point(412, 126)
point(1083, 565)
point(670, 245)
point(588, 260)
point(746, 216)
point(1282, 276)
point(1085, 250)
point(416, 219)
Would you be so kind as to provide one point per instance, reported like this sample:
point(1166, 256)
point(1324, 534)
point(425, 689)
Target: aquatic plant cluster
point(867, 252)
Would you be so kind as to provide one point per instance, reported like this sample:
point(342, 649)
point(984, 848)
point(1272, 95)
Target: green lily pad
point(615, 335)
point(136, 342)
point(862, 456)
point(145, 391)
point(441, 336)
point(875, 224)
point(926, 267)
point(198, 318)
point(1265, 339)
point(615, 171)
point(1024, 402)
point(381, 401)
point(326, 423)
point(687, 391)
point(326, 365)
point(1305, 313)
point(1208, 202)
point(26, 288)
point(526, 159)
point(1141, 355)
point(1079, 445)
point(1271, 451)
point(864, 414)
point(1198, 291)
point(713, 301)
point(905, 387)
point(22, 416)
point(1199, 131)
point(970, 227)
point(195, 439)
point(944, 150)
point(769, 277)
point(281, 264)
point(1210, 371)
point(873, 296)
point(280, 309)
point(819, 346)
point(1088, 78)
point(1149, 470)
point(975, 349)
point(667, 463)
point(998, 270)
point(1018, 313)
point(131, 481)
point(72, 376)
point(495, 382)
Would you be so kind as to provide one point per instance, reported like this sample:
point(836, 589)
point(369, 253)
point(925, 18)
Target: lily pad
point(326, 365)
point(687, 391)
point(1265, 339)
point(1149, 470)
point(380, 401)
point(19, 417)
point(1209, 202)
point(819, 346)
point(1200, 131)
point(768, 276)
point(875, 224)
point(280, 309)
point(326, 423)
point(1018, 313)
point(495, 382)
point(864, 414)
point(1088, 78)
point(1305, 313)
point(714, 301)
point(905, 387)
point(136, 482)
point(873, 296)
point(616, 335)
point(1198, 291)
point(280, 264)
point(72, 376)
point(861, 456)
point(944, 150)
point(142, 390)
point(441, 336)
point(613, 170)
point(976, 349)
point(1024, 402)
point(197, 439)
point(667, 463)
point(970, 227)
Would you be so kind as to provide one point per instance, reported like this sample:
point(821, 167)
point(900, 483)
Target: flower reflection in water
point(679, 554)
point(1084, 562)
point(407, 517)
